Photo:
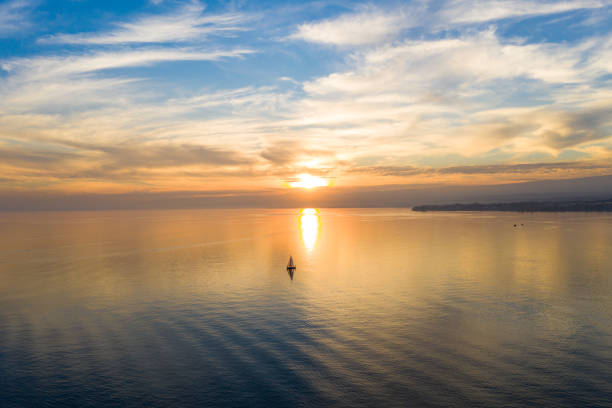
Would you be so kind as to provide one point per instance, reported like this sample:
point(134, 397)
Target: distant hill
point(525, 206)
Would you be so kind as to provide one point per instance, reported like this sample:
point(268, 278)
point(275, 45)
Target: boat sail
point(291, 265)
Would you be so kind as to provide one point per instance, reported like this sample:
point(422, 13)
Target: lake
point(387, 307)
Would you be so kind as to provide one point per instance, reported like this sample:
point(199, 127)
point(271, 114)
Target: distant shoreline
point(525, 206)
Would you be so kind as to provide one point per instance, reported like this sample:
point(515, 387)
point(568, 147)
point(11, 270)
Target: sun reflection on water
point(310, 223)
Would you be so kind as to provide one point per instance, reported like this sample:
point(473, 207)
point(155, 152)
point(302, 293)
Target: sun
point(309, 181)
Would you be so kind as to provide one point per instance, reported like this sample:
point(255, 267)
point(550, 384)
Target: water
point(386, 308)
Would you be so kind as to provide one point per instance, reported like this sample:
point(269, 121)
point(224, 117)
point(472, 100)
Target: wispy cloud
point(84, 78)
point(186, 24)
point(372, 25)
point(549, 168)
point(439, 87)
point(368, 26)
point(14, 17)
point(48, 67)
point(476, 58)
point(63, 160)
point(404, 102)
point(61, 81)
point(459, 11)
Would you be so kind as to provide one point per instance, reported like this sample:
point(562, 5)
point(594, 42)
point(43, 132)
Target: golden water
point(387, 307)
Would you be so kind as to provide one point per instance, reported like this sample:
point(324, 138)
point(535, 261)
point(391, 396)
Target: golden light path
point(310, 223)
point(306, 180)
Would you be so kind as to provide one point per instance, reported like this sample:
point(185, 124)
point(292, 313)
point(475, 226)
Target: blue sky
point(127, 96)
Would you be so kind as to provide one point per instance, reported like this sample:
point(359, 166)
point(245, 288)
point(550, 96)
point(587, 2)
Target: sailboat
point(291, 265)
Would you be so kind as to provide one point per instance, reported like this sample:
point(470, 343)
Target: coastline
point(524, 206)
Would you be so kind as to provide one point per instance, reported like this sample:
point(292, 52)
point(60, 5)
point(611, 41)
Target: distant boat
point(291, 265)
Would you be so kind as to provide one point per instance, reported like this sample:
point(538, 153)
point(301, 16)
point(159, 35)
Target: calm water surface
point(386, 308)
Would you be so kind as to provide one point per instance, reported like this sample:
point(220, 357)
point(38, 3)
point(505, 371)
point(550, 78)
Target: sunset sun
point(308, 181)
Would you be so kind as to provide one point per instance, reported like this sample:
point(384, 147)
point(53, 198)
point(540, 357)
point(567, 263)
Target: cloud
point(461, 12)
point(66, 160)
point(169, 155)
point(372, 25)
point(59, 82)
point(572, 129)
point(536, 170)
point(435, 97)
point(290, 151)
point(464, 105)
point(185, 24)
point(81, 79)
point(400, 104)
point(14, 17)
point(531, 129)
point(455, 62)
point(34, 157)
point(281, 153)
point(524, 168)
point(46, 67)
point(369, 26)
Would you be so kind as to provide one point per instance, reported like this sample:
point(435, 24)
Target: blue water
point(386, 308)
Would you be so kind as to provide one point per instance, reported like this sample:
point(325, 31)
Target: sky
point(251, 99)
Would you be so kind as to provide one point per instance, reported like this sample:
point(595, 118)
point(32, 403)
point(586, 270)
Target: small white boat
point(291, 265)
